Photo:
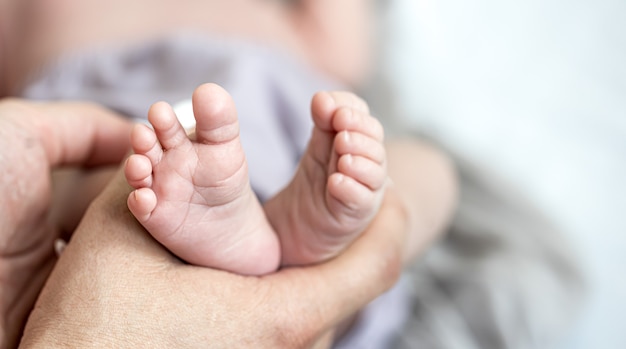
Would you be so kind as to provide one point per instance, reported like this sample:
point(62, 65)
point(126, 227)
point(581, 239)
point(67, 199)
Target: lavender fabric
point(272, 93)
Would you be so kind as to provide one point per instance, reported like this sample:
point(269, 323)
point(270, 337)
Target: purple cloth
point(272, 93)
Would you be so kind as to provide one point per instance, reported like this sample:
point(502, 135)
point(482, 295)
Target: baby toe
point(142, 203)
point(348, 197)
point(363, 170)
point(355, 143)
point(144, 142)
point(138, 171)
point(357, 121)
point(345, 99)
point(167, 128)
point(216, 115)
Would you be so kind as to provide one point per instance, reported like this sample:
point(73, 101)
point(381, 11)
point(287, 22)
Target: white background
point(533, 92)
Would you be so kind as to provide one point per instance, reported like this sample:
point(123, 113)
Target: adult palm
point(36, 138)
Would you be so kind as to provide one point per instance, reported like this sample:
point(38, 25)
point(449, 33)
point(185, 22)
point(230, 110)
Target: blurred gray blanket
point(503, 277)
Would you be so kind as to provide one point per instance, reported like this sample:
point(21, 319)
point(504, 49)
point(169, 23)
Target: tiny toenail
point(339, 179)
point(332, 99)
point(346, 136)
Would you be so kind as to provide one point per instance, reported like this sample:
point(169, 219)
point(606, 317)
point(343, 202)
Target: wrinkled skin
point(34, 139)
point(115, 286)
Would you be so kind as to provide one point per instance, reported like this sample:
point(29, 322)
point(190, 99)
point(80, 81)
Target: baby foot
point(338, 186)
point(194, 196)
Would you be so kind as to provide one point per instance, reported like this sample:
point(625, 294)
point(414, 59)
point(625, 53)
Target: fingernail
point(59, 246)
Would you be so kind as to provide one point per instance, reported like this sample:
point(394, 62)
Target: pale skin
point(195, 197)
point(340, 182)
point(142, 297)
point(34, 139)
point(34, 33)
point(113, 274)
point(331, 36)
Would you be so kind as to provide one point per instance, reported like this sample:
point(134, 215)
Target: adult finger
point(75, 133)
point(85, 134)
point(324, 295)
point(114, 270)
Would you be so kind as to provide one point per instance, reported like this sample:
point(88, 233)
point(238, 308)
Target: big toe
point(216, 115)
point(325, 104)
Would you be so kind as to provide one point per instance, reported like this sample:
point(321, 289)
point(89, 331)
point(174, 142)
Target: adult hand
point(114, 286)
point(34, 138)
